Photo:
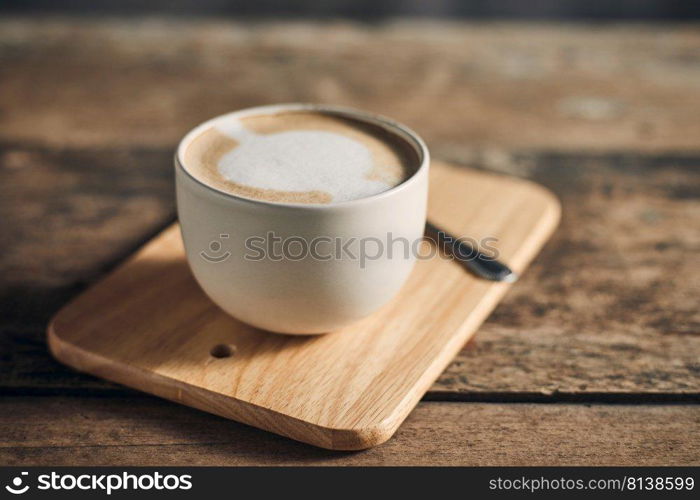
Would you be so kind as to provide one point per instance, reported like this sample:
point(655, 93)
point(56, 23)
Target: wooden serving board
point(147, 325)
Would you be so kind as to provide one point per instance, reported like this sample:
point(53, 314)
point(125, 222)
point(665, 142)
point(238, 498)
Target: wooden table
point(593, 358)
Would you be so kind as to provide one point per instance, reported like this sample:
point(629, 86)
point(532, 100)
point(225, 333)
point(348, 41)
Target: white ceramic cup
point(309, 293)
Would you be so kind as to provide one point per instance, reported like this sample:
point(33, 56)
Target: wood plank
point(611, 304)
point(551, 338)
point(145, 431)
point(70, 215)
point(533, 101)
point(488, 86)
point(149, 326)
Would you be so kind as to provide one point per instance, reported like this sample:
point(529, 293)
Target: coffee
point(299, 157)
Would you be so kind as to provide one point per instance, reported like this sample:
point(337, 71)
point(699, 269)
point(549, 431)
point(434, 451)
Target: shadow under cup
point(302, 268)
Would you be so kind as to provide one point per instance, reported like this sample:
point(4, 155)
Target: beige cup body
point(299, 291)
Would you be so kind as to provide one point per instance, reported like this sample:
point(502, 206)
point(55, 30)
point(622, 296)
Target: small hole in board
point(222, 351)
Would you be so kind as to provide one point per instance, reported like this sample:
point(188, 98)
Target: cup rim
point(407, 134)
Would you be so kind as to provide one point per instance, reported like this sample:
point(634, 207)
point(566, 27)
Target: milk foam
point(299, 161)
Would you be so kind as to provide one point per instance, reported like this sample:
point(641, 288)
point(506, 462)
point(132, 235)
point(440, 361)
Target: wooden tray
point(147, 325)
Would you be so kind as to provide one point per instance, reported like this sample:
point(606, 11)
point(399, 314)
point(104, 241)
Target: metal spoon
point(471, 258)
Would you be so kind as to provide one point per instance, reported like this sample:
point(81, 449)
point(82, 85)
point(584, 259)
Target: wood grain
point(610, 307)
point(84, 210)
point(605, 116)
point(146, 431)
point(494, 86)
point(149, 326)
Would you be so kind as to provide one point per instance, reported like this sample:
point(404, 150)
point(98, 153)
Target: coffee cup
point(283, 260)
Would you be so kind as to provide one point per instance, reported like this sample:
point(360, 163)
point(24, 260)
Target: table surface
point(592, 358)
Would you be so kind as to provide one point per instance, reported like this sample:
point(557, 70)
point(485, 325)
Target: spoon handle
point(471, 258)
